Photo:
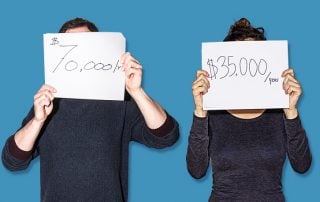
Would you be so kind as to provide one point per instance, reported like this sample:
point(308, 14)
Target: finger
point(292, 83)
point(128, 71)
point(45, 92)
point(42, 101)
point(49, 94)
point(131, 64)
point(289, 83)
point(200, 91)
point(288, 71)
point(296, 90)
point(199, 83)
point(202, 72)
point(203, 78)
point(47, 87)
point(129, 58)
point(289, 77)
point(45, 103)
point(132, 71)
point(290, 88)
point(124, 57)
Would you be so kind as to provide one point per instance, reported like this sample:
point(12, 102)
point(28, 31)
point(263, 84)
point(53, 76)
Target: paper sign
point(85, 65)
point(245, 74)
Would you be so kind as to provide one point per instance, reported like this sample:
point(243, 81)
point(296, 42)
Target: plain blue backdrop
point(165, 36)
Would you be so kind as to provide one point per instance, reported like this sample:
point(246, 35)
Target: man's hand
point(133, 73)
point(43, 103)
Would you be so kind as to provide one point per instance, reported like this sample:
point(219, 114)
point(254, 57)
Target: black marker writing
point(63, 46)
point(54, 41)
point(72, 65)
point(226, 66)
point(213, 70)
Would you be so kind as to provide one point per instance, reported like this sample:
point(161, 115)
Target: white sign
point(85, 65)
point(245, 74)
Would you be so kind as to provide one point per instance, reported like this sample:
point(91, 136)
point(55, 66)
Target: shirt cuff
point(293, 125)
point(165, 128)
point(199, 123)
point(16, 152)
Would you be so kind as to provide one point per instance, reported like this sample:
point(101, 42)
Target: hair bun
point(243, 22)
point(242, 30)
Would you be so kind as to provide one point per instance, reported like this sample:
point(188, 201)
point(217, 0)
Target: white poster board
point(245, 74)
point(85, 65)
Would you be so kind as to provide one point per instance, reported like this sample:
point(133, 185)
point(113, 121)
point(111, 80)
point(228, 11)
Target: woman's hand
point(200, 87)
point(292, 87)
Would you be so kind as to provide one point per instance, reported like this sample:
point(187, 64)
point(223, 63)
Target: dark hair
point(242, 30)
point(78, 22)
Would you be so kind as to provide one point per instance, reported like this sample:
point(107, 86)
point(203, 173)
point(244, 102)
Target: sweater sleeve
point(198, 147)
point(297, 145)
point(164, 136)
point(13, 158)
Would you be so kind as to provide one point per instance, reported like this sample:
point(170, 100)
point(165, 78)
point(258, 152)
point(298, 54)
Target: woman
point(247, 148)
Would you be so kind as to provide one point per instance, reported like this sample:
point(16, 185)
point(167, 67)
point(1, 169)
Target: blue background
point(165, 36)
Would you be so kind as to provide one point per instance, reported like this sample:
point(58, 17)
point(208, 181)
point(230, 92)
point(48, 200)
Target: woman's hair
point(242, 30)
point(78, 22)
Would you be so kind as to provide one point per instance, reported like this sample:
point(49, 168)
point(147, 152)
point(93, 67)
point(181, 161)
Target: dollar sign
point(54, 41)
point(213, 69)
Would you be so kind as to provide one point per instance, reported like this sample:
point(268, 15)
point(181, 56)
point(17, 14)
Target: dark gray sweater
point(247, 156)
point(83, 149)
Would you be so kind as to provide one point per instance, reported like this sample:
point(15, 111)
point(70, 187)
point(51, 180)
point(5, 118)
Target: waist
point(245, 196)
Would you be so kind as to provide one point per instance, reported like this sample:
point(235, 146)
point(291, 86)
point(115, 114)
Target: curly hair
point(242, 30)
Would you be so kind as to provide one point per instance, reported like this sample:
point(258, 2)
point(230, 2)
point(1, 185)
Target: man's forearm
point(152, 112)
point(25, 138)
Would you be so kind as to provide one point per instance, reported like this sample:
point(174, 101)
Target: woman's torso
point(247, 156)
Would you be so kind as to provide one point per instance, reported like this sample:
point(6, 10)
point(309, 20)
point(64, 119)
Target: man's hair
point(242, 30)
point(78, 22)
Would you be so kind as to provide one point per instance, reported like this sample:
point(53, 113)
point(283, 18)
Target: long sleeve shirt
point(247, 155)
point(83, 149)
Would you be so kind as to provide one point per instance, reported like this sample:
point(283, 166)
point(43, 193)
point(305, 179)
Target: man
point(83, 144)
